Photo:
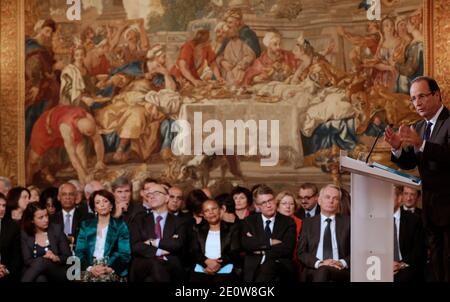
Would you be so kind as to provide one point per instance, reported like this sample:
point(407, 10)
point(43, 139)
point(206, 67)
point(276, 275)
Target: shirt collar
point(312, 211)
point(408, 209)
point(435, 117)
point(264, 218)
point(163, 215)
point(323, 217)
point(71, 212)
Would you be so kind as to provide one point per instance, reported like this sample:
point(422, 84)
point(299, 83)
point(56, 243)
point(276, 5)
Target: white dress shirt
point(100, 241)
point(397, 216)
point(334, 245)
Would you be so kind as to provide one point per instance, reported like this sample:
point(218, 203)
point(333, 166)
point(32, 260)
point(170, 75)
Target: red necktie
point(158, 232)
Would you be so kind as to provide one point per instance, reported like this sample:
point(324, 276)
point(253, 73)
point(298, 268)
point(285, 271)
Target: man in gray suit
point(426, 145)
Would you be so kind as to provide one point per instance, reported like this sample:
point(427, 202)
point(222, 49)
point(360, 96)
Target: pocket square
point(249, 234)
point(175, 236)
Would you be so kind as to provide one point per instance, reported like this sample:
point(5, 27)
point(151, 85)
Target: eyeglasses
point(176, 197)
point(305, 197)
point(420, 97)
point(266, 202)
point(154, 193)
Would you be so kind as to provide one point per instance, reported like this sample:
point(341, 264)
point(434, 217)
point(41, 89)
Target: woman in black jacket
point(44, 247)
point(215, 246)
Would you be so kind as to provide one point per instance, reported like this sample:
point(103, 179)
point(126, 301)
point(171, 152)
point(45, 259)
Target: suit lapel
point(316, 226)
point(202, 236)
point(169, 226)
point(277, 226)
point(440, 121)
point(112, 230)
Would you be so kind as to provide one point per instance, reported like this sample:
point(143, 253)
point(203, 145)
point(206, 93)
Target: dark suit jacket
point(10, 248)
point(283, 230)
point(310, 237)
point(412, 240)
point(229, 243)
point(117, 245)
point(300, 213)
point(78, 216)
point(434, 169)
point(58, 245)
point(142, 229)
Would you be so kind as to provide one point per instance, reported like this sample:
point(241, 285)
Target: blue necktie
point(427, 133)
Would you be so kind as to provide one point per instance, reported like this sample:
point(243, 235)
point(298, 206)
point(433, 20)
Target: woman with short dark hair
point(103, 243)
point(16, 201)
point(44, 247)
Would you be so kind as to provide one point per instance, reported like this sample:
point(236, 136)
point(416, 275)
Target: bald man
point(65, 126)
point(70, 217)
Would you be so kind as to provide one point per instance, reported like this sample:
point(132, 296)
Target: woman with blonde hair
point(287, 205)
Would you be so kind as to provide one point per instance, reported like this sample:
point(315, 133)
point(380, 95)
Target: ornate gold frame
point(12, 75)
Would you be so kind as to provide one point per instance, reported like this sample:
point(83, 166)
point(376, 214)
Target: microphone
point(373, 145)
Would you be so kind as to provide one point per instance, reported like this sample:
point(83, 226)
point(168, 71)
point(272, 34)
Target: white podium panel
point(372, 221)
point(372, 230)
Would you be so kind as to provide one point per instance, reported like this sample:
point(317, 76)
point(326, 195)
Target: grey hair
point(6, 181)
point(120, 182)
point(330, 186)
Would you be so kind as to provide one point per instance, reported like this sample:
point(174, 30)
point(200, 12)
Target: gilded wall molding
point(12, 90)
point(438, 42)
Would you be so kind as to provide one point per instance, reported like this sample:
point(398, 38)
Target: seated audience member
point(157, 240)
point(410, 197)
point(80, 192)
point(70, 217)
point(49, 199)
point(242, 201)
point(89, 188)
point(307, 197)
point(268, 238)
point(143, 206)
point(176, 202)
point(122, 190)
point(5, 185)
point(103, 243)
point(10, 257)
point(409, 244)
point(226, 203)
point(34, 193)
point(286, 205)
point(215, 246)
point(324, 244)
point(44, 247)
point(194, 201)
point(16, 202)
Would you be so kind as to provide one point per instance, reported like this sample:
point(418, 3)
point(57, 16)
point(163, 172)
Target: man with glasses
point(157, 239)
point(268, 238)
point(426, 145)
point(307, 197)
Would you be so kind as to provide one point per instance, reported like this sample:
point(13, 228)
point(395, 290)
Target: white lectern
point(372, 223)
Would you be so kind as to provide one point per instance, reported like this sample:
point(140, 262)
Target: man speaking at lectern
point(426, 145)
